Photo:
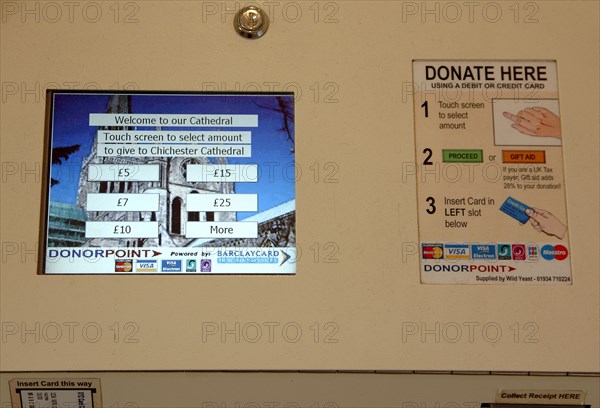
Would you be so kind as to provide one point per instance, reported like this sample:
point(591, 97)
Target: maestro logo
point(433, 251)
point(551, 252)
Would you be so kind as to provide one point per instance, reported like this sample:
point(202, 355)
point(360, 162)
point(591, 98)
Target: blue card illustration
point(515, 209)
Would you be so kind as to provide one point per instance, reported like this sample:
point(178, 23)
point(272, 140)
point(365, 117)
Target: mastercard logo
point(123, 265)
point(433, 251)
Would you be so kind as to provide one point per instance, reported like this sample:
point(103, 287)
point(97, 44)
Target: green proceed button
point(462, 156)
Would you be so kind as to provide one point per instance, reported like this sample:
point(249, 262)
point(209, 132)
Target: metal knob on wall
point(251, 22)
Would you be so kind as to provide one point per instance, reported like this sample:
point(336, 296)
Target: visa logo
point(456, 251)
point(171, 265)
point(146, 265)
point(487, 252)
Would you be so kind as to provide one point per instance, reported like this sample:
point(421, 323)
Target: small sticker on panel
point(56, 392)
point(553, 397)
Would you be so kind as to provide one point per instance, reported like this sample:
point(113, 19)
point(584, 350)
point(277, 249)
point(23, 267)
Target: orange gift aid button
point(523, 156)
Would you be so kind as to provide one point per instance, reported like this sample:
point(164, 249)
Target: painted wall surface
point(356, 302)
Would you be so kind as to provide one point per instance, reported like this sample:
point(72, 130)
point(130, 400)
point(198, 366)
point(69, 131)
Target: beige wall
point(361, 120)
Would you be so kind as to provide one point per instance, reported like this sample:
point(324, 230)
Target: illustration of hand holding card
point(544, 221)
point(541, 220)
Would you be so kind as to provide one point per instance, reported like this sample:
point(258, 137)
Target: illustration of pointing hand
point(545, 221)
point(536, 122)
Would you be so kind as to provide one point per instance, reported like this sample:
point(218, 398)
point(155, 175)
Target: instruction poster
point(490, 180)
point(170, 183)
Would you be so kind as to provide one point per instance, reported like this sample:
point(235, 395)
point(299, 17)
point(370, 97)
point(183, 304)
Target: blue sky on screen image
point(272, 146)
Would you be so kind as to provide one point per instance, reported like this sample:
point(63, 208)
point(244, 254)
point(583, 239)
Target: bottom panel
point(309, 390)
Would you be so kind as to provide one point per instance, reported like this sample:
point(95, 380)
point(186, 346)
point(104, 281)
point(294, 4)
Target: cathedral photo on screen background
point(74, 149)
